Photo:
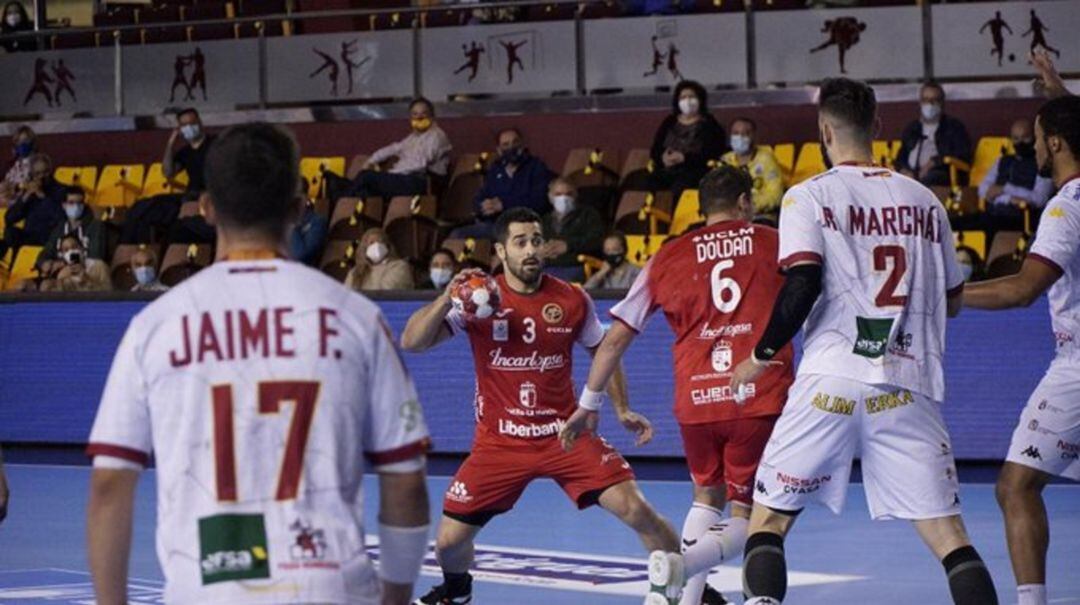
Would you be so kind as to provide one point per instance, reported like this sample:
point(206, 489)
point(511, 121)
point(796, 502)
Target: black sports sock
point(764, 567)
point(458, 583)
point(969, 580)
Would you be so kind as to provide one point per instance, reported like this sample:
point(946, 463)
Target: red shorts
point(727, 453)
point(493, 477)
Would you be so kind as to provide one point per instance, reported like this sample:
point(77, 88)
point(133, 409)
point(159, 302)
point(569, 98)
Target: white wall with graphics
point(659, 51)
point(209, 76)
point(67, 81)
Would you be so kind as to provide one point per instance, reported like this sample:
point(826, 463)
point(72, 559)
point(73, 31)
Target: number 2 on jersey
point(887, 296)
point(721, 285)
point(303, 396)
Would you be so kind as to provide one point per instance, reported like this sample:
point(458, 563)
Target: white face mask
point(144, 275)
point(72, 257)
point(563, 203)
point(190, 132)
point(376, 252)
point(441, 276)
point(740, 144)
point(73, 211)
point(689, 106)
point(14, 19)
point(930, 111)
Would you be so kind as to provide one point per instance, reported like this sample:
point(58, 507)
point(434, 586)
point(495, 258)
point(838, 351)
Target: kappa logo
point(553, 313)
point(458, 493)
point(1032, 452)
point(761, 488)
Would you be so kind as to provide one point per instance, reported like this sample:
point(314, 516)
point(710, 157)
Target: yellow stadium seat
point(3, 211)
point(810, 163)
point(23, 268)
point(83, 176)
point(986, 153)
point(640, 248)
point(785, 157)
point(885, 152)
point(687, 212)
point(119, 185)
point(156, 183)
point(312, 168)
point(976, 240)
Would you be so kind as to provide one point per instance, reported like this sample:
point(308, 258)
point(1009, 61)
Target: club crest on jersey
point(309, 544)
point(500, 330)
point(553, 313)
point(721, 356)
point(527, 395)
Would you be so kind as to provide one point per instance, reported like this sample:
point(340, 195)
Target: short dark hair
point(619, 235)
point(520, 214)
point(750, 121)
point(502, 131)
point(851, 101)
point(425, 102)
point(1061, 117)
point(699, 91)
point(70, 236)
point(444, 251)
point(185, 111)
point(720, 189)
point(935, 85)
point(74, 190)
point(251, 174)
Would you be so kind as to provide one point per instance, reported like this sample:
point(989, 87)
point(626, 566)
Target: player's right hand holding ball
point(474, 293)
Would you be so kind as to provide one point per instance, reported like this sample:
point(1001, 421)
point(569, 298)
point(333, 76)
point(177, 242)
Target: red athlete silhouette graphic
point(347, 51)
point(657, 60)
point(512, 58)
point(996, 25)
point(472, 59)
point(1038, 39)
point(63, 77)
point(40, 84)
point(331, 67)
point(673, 61)
point(844, 33)
point(198, 72)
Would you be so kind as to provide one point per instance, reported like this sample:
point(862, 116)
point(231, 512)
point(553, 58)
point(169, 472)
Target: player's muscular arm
point(1018, 290)
point(403, 520)
point(427, 327)
point(108, 529)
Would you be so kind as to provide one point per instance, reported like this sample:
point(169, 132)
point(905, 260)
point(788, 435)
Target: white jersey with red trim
point(259, 387)
point(889, 263)
point(1056, 244)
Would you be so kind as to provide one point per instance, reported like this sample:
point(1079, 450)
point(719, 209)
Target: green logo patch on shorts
point(233, 547)
point(872, 336)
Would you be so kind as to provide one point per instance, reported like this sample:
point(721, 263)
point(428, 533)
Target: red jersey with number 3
point(523, 357)
point(716, 286)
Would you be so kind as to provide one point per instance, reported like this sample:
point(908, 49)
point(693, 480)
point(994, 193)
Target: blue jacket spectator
point(926, 142)
point(1014, 179)
point(40, 204)
point(307, 238)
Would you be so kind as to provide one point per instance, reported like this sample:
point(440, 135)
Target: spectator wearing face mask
point(308, 236)
point(17, 20)
point(970, 264)
point(81, 223)
point(516, 179)
point(617, 273)
point(570, 230)
point(144, 267)
point(686, 141)
point(39, 205)
point(191, 158)
point(441, 270)
point(926, 142)
point(425, 151)
point(79, 273)
point(760, 163)
point(1014, 180)
point(24, 145)
point(379, 267)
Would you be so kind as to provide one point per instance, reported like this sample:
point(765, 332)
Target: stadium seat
point(83, 176)
point(119, 185)
point(470, 249)
point(184, 260)
point(404, 207)
point(155, 182)
point(687, 213)
point(785, 157)
point(885, 152)
point(356, 164)
point(312, 168)
point(976, 240)
point(23, 267)
point(640, 248)
point(188, 209)
point(410, 225)
point(470, 163)
point(339, 257)
point(641, 212)
point(3, 213)
point(595, 174)
point(457, 204)
point(352, 216)
point(810, 163)
point(987, 151)
point(589, 160)
point(636, 171)
point(1006, 244)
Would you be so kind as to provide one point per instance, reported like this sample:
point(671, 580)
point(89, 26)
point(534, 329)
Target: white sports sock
point(698, 521)
point(723, 542)
point(1031, 594)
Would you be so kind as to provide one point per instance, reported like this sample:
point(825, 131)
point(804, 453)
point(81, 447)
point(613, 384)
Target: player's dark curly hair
point(851, 101)
point(520, 214)
point(720, 189)
point(252, 175)
point(1061, 118)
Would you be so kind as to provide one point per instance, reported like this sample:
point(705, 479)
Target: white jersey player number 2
point(726, 292)
point(887, 296)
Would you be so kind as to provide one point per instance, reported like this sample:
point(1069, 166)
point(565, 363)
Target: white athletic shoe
point(667, 575)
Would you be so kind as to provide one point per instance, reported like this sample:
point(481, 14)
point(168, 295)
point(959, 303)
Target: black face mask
point(1025, 150)
point(513, 155)
point(615, 259)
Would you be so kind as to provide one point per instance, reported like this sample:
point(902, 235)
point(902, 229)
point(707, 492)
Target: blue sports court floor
point(545, 552)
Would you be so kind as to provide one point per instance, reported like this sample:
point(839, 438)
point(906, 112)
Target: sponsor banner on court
point(210, 76)
point(659, 51)
point(511, 58)
point(995, 38)
point(338, 67)
point(61, 82)
point(865, 43)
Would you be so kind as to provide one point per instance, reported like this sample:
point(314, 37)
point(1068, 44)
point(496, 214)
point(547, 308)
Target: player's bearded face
point(521, 252)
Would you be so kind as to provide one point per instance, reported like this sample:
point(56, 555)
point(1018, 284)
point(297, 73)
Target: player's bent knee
point(711, 496)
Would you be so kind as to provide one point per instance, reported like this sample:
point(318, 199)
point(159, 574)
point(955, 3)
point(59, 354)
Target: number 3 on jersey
point(726, 293)
point(303, 396)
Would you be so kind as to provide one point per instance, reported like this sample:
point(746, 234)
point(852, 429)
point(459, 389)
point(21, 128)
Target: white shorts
point(907, 461)
point(1048, 435)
